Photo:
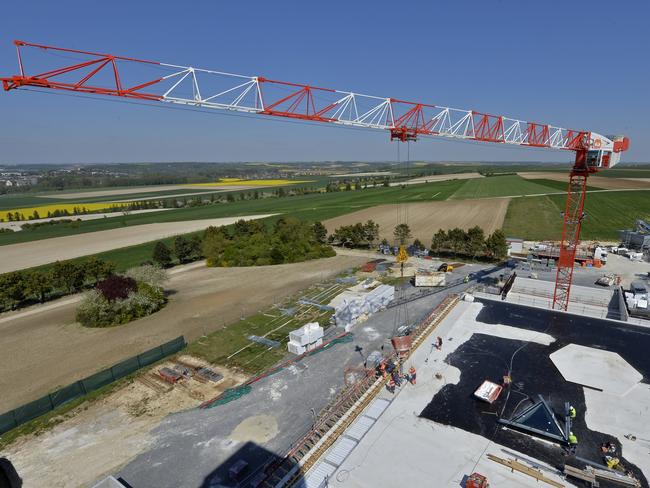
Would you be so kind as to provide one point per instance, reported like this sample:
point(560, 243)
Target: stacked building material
point(356, 307)
point(306, 338)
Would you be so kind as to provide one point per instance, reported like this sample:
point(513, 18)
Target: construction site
point(412, 343)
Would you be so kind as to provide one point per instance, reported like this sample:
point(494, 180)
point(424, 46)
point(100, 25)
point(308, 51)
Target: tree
point(98, 269)
point(37, 285)
point(457, 240)
point(475, 244)
point(162, 255)
point(320, 232)
point(12, 289)
point(439, 241)
point(371, 232)
point(215, 243)
point(68, 276)
point(117, 287)
point(182, 249)
point(418, 244)
point(496, 244)
point(195, 246)
point(402, 233)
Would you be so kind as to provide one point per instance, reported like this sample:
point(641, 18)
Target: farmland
point(539, 218)
point(309, 207)
point(425, 219)
point(226, 182)
point(499, 186)
point(45, 210)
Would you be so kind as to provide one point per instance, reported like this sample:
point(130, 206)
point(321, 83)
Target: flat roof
point(436, 430)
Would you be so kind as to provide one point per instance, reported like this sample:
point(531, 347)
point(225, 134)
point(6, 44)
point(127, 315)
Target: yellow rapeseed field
point(27, 213)
point(240, 182)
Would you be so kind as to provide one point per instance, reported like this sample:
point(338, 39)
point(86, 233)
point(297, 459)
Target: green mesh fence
point(67, 393)
point(230, 395)
point(7, 422)
point(32, 410)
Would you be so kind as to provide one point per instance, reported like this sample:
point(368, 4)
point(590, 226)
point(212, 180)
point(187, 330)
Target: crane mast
point(153, 81)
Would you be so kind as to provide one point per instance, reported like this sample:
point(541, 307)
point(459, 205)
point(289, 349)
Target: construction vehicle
point(445, 268)
point(106, 74)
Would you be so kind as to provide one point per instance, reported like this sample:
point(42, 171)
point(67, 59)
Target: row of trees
point(183, 250)
point(472, 243)
point(27, 286)
point(355, 235)
point(251, 243)
point(248, 243)
point(120, 299)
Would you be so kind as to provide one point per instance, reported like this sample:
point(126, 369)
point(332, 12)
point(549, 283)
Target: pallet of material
point(581, 474)
point(515, 465)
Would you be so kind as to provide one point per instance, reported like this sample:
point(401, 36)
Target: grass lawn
point(539, 218)
point(499, 186)
point(307, 207)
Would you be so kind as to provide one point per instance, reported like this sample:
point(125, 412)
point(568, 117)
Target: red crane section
point(153, 81)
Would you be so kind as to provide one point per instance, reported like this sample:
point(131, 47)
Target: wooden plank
point(515, 465)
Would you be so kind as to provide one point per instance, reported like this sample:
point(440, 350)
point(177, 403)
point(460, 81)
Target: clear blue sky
point(577, 64)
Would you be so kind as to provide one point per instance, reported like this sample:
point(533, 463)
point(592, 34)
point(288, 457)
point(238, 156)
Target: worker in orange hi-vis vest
point(382, 368)
point(412, 375)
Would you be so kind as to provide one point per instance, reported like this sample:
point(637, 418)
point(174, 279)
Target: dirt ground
point(425, 219)
point(36, 253)
point(44, 348)
point(597, 181)
point(433, 178)
point(99, 437)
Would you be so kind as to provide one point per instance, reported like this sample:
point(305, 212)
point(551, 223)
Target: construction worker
point(466, 280)
point(572, 412)
point(412, 375)
point(382, 368)
point(573, 443)
point(391, 386)
point(612, 461)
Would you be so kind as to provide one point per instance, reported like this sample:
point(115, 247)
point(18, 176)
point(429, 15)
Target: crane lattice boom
point(153, 81)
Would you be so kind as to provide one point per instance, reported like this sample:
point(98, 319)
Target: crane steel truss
point(186, 85)
point(105, 74)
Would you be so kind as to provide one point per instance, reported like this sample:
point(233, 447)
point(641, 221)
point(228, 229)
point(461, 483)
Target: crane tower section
point(86, 72)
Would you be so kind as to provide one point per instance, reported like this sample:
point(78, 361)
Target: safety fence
point(43, 405)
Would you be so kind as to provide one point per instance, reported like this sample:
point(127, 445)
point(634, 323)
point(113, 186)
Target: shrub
point(95, 310)
point(148, 273)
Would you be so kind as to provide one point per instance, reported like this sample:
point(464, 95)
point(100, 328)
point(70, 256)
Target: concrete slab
point(402, 449)
point(595, 368)
point(622, 417)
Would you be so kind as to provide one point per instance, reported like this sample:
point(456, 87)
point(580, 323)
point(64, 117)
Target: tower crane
point(48, 68)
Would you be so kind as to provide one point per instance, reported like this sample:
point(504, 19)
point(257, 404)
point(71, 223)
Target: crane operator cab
point(605, 151)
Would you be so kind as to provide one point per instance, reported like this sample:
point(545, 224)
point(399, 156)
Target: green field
point(307, 207)
point(540, 218)
point(560, 185)
point(499, 186)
